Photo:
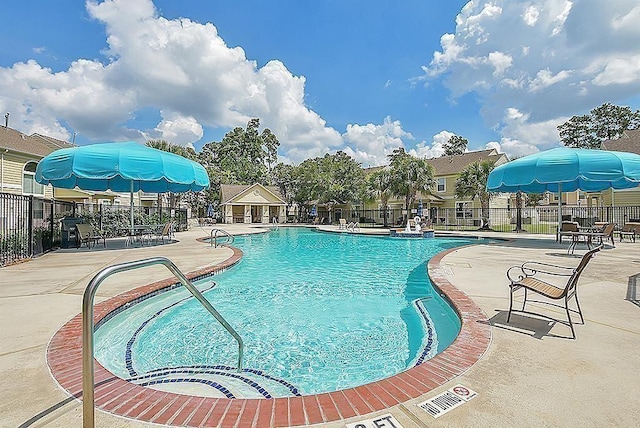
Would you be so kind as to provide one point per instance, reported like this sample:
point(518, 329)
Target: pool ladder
point(88, 399)
point(214, 237)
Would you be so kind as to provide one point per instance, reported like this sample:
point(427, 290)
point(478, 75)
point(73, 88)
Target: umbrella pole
point(131, 207)
point(559, 211)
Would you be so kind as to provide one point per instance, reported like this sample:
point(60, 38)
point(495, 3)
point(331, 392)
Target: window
point(463, 210)
point(442, 184)
point(29, 184)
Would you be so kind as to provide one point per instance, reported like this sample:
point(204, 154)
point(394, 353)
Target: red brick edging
point(117, 396)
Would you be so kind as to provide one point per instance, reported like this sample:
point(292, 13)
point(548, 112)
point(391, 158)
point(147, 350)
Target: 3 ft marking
point(382, 421)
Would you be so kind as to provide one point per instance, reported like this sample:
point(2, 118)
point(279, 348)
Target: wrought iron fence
point(541, 220)
point(29, 226)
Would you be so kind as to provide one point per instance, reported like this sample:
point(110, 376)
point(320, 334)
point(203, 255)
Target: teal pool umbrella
point(565, 170)
point(121, 167)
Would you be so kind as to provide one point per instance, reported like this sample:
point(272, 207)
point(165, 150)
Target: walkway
point(528, 376)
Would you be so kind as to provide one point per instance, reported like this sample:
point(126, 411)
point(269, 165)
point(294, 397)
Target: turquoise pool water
point(317, 312)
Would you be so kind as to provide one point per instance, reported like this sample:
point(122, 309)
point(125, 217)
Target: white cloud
point(177, 66)
point(372, 143)
point(433, 150)
point(530, 16)
point(179, 129)
point(568, 58)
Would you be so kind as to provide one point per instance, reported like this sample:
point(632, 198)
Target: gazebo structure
point(252, 204)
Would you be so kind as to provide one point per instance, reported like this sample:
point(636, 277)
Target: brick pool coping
point(117, 396)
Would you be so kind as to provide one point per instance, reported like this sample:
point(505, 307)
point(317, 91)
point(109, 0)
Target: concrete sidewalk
point(531, 375)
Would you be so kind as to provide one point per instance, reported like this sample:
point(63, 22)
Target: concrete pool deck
point(527, 377)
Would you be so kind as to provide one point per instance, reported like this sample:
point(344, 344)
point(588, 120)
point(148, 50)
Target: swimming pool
point(318, 312)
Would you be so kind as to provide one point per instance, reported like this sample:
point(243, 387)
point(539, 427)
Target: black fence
point(30, 226)
point(541, 220)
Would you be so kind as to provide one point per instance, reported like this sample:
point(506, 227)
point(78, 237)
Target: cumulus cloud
point(566, 59)
point(435, 148)
point(179, 67)
point(370, 144)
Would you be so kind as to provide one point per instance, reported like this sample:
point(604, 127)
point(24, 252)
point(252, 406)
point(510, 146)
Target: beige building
point(442, 203)
point(252, 204)
point(628, 142)
point(19, 157)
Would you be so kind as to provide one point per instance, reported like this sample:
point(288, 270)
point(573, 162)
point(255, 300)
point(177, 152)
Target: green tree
point(472, 183)
point(341, 180)
point(245, 154)
point(456, 145)
point(196, 200)
point(380, 184)
point(606, 122)
point(409, 175)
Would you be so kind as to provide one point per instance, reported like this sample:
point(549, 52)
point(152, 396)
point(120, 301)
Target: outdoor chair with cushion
point(548, 280)
point(86, 235)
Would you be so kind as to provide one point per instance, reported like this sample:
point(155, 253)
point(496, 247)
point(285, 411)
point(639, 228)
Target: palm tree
point(410, 175)
point(472, 183)
point(380, 184)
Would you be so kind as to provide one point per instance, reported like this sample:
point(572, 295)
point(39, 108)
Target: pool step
point(216, 381)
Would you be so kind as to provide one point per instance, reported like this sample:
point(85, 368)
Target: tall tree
point(340, 181)
point(606, 122)
point(472, 183)
point(409, 175)
point(380, 184)
point(456, 145)
point(196, 200)
point(245, 154)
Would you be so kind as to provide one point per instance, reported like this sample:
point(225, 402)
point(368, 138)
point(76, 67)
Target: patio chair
point(629, 230)
point(543, 279)
point(567, 228)
point(606, 234)
point(167, 230)
point(86, 235)
point(343, 224)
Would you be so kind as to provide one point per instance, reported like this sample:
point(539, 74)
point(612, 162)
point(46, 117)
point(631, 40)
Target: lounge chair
point(343, 224)
point(86, 235)
point(543, 279)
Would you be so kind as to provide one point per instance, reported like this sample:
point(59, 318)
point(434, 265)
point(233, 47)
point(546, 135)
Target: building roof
point(229, 191)
point(628, 142)
point(450, 165)
point(35, 144)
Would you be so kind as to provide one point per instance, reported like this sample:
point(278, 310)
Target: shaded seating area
point(553, 282)
point(88, 236)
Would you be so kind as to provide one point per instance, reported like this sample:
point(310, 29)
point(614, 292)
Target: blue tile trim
point(128, 351)
point(424, 354)
point(215, 385)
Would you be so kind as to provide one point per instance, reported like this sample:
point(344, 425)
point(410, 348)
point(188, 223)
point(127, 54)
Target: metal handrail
point(353, 226)
point(274, 223)
point(88, 400)
point(214, 237)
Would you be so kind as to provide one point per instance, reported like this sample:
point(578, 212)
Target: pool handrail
point(213, 239)
point(88, 399)
point(353, 226)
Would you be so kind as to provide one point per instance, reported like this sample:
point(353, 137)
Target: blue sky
point(360, 76)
